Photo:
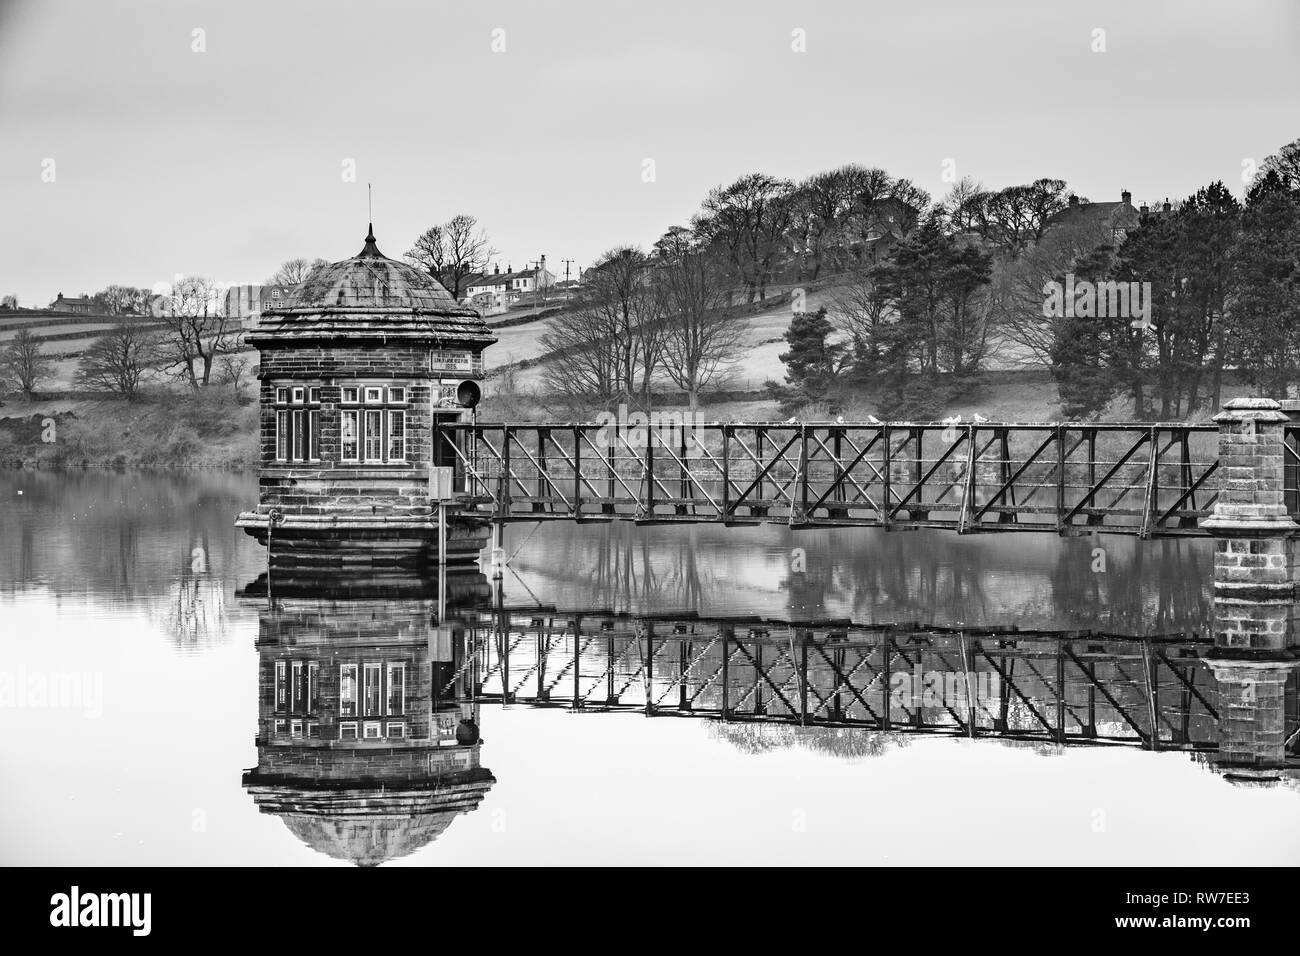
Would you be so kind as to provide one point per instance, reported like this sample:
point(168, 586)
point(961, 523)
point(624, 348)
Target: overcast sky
point(228, 161)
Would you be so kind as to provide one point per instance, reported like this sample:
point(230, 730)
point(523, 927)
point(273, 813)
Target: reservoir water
point(145, 671)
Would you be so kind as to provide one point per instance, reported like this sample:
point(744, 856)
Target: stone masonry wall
point(1252, 715)
point(332, 486)
point(1254, 558)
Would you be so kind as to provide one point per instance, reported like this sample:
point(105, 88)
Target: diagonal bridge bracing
point(1074, 478)
point(1156, 693)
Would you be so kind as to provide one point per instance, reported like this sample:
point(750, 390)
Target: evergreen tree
point(1083, 347)
point(813, 362)
point(1266, 269)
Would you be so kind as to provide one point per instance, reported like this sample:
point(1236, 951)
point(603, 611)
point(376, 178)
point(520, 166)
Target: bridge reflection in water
point(1051, 689)
point(369, 709)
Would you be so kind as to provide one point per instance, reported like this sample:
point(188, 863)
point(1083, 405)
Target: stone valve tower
point(357, 367)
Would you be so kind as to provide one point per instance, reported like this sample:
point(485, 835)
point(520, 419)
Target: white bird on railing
point(979, 419)
point(839, 419)
point(873, 420)
point(954, 420)
point(790, 421)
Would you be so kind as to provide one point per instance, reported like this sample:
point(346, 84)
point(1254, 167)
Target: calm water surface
point(129, 583)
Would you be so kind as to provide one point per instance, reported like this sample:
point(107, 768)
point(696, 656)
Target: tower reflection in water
point(368, 742)
point(368, 711)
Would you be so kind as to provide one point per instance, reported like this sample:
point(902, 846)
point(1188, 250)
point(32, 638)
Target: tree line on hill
point(1221, 279)
point(927, 294)
point(184, 334)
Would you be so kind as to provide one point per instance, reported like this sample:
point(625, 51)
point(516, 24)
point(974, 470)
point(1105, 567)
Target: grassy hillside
point(212, 430)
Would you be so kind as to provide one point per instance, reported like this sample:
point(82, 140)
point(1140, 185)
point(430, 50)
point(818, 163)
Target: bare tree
point(880, 208)
point(865, 188)
point(747, 223)
point(196, 330)
point(673, 240)
point(862, 315)
point(118, 360)
point(23, 364)
point(294, 271)
point(959, 207)
point(1017, 286)
point(452, 252)
point(233, 368)
point(822, 206)
point(580, 352)
point(429, 252)
point(702, 340)
point(803, 235)
point(1014, 217)
point(611, 342)
point(1286, 163)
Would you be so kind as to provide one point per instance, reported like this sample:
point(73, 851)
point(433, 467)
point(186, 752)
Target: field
point(515, 343)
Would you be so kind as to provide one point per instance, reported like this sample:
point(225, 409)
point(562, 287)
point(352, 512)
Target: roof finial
point(370, 248)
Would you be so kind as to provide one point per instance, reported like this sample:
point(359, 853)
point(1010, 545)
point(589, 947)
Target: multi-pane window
point(297, 423)
point(281, 686)
point(374, 434)
point(349, 435)
point(348, 690)
point(372, 699)
point(297, 687)
point(396, 688)
point(396, 435)
point(374, 431)
point(372, 691)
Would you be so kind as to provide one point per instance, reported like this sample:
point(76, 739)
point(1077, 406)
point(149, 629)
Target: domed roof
point(366, 823)
point(370, 297)
point(368, 839)
point(370, 280)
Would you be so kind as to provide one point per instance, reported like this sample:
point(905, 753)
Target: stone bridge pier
point(1255, 653)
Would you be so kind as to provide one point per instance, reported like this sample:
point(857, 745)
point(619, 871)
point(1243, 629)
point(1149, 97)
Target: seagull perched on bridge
point(839, 419)
point(979, 418)
point(873, 420)
point(954, 420)
point(790, 421)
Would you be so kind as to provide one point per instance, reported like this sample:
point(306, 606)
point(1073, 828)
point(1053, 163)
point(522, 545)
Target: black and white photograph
point(786, 435)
